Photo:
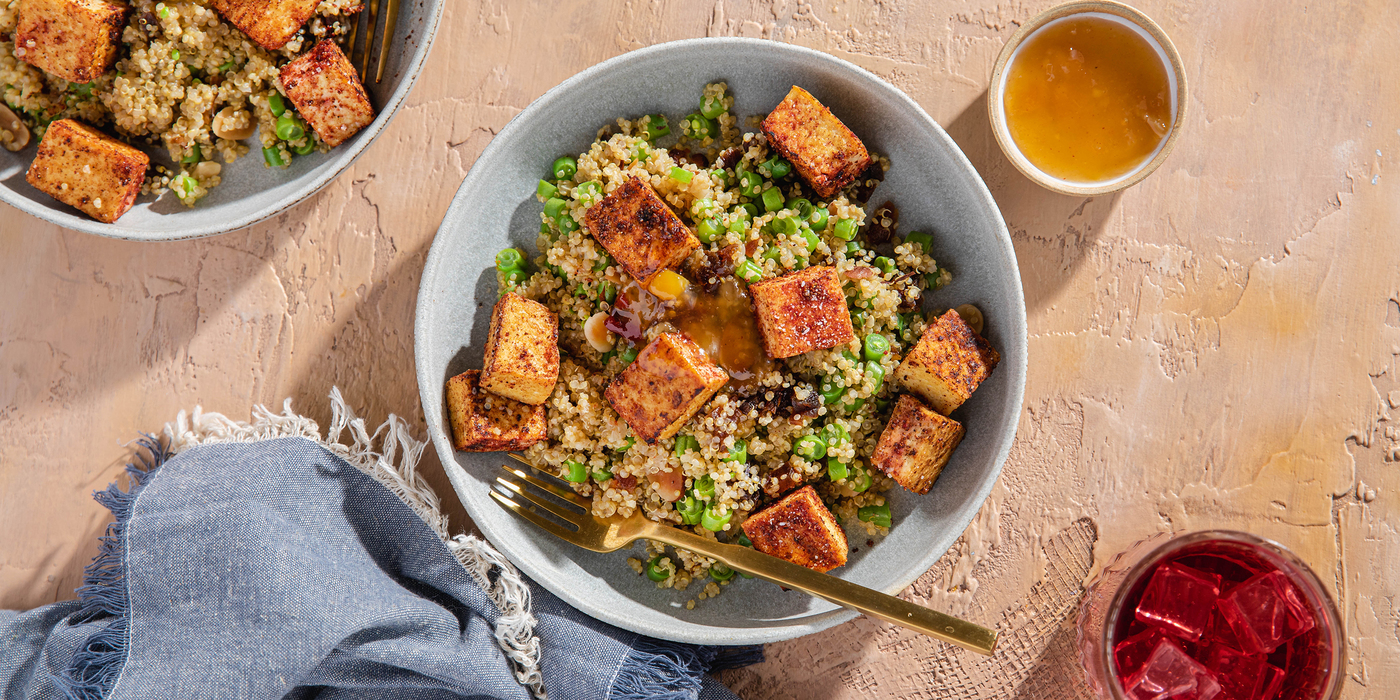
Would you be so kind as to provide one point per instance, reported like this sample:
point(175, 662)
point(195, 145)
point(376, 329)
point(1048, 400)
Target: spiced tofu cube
point(822, 150)
point(85, 168)
point(522, 350)
point(916, 444)
point(271, 23)
point(327, 93)
point(948, 363)
point(661, 390)
point(639, 230)
point(76, 40)
point(484, 422)
point(800, 529)
point(802, 311)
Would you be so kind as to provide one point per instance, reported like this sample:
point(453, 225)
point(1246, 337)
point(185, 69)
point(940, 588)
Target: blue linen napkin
point(260, 561)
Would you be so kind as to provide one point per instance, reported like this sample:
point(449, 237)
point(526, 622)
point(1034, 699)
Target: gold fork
point(391, 14)
point(607, 535)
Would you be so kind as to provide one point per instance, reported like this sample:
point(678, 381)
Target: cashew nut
point(207, 169)
point(14, 135)
point(598, 334)
point(226, 124)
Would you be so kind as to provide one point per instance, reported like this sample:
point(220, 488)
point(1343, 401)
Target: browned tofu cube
point(327, 93)
point(916, 444)
point(76, 40)
point(637, 228)
point(948, 363)
point(484, 422)
point(271, 23)
point(522, 350)
point(802, 311)
point(85, 168)
point(822, 150)
point(800, 529)
point(670, 380)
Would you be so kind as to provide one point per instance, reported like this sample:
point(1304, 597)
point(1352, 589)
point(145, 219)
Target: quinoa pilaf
point(184, 78)
point(812, 418)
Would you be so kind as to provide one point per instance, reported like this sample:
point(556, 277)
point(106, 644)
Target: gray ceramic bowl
point(250, 191)
point(937, 191)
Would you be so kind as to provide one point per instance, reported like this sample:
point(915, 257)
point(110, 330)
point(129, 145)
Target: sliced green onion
point(564, 168)
point(835, 469)
point(509, 259)
point(607, 291)
point(708, 230)
point(877, 370)
point(923, 239)
point(691, 508)
point(776, 168)
point(786, 225)
point(193, 157)
point(723, 177)
point(858, 319)
point(740, 452)
point(575, 472)
point(305, 149)
point(273, 156)
point(835, 433)
point(772, 199)
point(845, 229)
point(820, 218)
point(720, 572)
point(681, 175)
point(225, 66)
point(655, 571)
point(712, 106)
point(655, 126)
point(628, 355)
point(276, 104)
point(852, 248)
point(885, 264)
point(553, 206)
point(901, 324)
point(601, 475)
point(854, 407)
point(631, 440)
point(832, 392)
point(705, 487)
point(812, 240)
point(714, 522)
point(589, 190)
point(750, 271)
point(686, 443)
point(700, 127)
point(811, 447)
point(183, 185)
point(566, 223)
point(879, 515)
point(750, 183)
point(876, 345)
point(288, 129)
point(862, 480)
point(546, 189)
point(802, 206)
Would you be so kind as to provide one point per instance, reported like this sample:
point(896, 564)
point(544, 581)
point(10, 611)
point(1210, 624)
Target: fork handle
point(836, 590)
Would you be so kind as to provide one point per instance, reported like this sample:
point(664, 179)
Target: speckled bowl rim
point(342, 158)
point(430, 386)
point(996, 111)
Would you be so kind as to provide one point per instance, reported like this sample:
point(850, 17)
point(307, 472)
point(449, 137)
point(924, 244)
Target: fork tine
point(352, 36)
point(543, 485)
point(390, 16)
point(369, 38)
point(546, 525)
point(555, 510)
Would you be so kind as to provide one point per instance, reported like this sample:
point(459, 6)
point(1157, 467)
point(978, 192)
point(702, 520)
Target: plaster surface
point(1218, 346)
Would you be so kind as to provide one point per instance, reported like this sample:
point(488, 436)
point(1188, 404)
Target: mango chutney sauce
point(1087, 99)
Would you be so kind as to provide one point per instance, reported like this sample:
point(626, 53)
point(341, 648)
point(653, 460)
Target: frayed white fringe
point(395, 466)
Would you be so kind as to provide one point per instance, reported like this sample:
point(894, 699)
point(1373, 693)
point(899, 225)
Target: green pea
point(705, 487)
point(288, 129)
point(276, 104)
point(923, 239)
point(750, 183)
point(879, 515)
point(655, 571)
point(575, 472)
point(835, 469)
point(601, 475)
point(174, 54)
point(607, 291)
point(654, 126)
point(845, 229)
point(820, 218)
point(832, 392)
point(720, 572)
point(739, 453)
point(509, 259)
point(750, 271)
point(811, 447)
point(163, 11)
point(691, 509)
point(546, 189)
point(712, 106)
point(273, 156)
point(772, 199)
point(193, 157)
point(874, 368)
point(306, 149)
point(714, 522)
point(876, 345)
point(564, 168)
point(885, 264)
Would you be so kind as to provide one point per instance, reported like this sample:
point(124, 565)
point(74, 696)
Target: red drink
point(1210, 616)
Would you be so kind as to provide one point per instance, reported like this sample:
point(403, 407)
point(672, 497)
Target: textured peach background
point(1215, 347)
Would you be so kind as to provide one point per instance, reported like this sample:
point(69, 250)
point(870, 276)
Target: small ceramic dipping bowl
point(1103, 9)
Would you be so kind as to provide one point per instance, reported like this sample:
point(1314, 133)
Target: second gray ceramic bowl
point(250, 191)
point(937, 191)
